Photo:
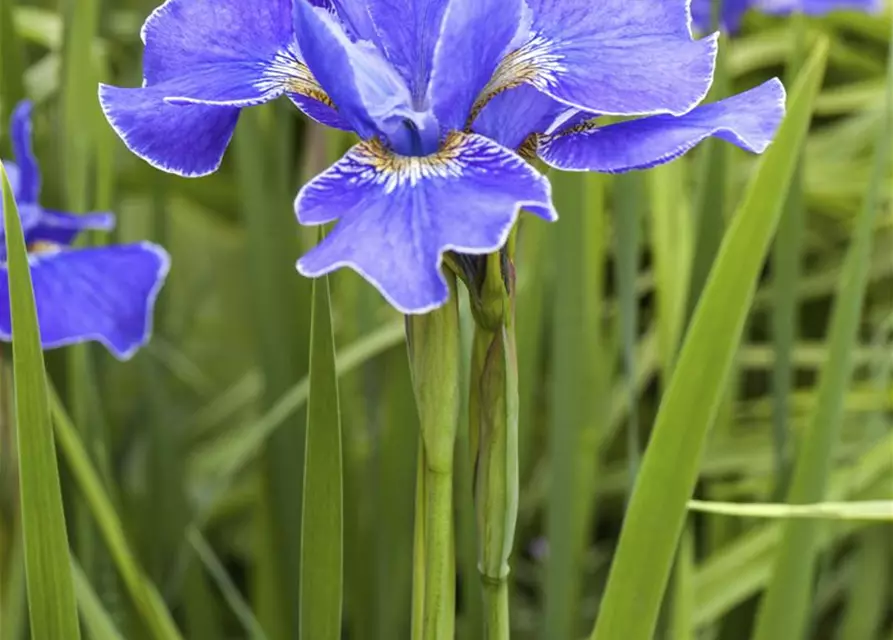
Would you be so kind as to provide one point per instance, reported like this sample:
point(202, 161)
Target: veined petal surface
point(397, 215)
point(188, 140)
point(474, 36)
point(748, 120)
point(182, 36)
point(367, 90)
point(408, 32)
point(511, 117)
point(103, 294)
point(613, 57)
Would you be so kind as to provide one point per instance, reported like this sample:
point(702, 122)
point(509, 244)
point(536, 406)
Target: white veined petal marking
point(287, 72)
point(534, 63)
point(372, 163)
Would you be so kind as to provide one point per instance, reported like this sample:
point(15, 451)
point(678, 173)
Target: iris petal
point(58, 227)
point(369, 93)
point(28, 178)
point(183, 35)
point(749, 120)
point(188, 140)
point(397, 215)
point(103, 294)
point(474, 37)
point(613, 57)
point(408, 34)
point(730, 15)
point(514, 115)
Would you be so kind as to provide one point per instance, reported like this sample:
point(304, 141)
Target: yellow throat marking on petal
point(393, 170)
point(533, 63)
point(287, 71)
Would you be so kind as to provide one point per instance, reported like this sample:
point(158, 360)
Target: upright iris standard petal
point(27, 183)
point(103, 294)
point(613, 57)
point(369, 92)
point(355, 16)
point(188, 140)
point(748, 120)
point(397, 215)
point(474, 37)
point(511, 117)
point(408, 34)
point(203, 60)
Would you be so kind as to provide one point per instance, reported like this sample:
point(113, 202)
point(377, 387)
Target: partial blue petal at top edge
point(102, 294)
point(397, 215)
point(617, 57)
point(748, 120)
point(28, 189)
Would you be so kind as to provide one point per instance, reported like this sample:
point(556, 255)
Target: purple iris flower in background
point(446, 96)
point(104, 294)
point(732, 11)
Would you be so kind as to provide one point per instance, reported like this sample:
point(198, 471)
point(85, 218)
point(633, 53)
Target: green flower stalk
point(433, 341)
point(493, 421)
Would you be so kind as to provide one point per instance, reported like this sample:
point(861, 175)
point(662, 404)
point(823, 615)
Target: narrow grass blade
point(322, 526)
point(51, 600)
point(682, 625)
point(784, 611)
point(227, 587)
point(881, 510)
point(669, 470)
point(223, 458)
point(787, 255)
point(12, 69)
point(869, 593)
point(628, 206)
point(145, 597)
point(577, 398)
point(97, 620)
point(671, 248)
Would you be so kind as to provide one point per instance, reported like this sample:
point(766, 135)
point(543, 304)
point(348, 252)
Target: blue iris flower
point(104, 294)
point(732, 11)
point(447, 96)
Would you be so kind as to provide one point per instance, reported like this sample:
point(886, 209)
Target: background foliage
point(182, 470)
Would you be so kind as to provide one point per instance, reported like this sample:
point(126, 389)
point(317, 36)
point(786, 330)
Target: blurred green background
point(198, 441)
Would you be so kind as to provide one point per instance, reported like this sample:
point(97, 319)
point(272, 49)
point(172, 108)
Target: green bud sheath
point(433, 341)
point(493, 421)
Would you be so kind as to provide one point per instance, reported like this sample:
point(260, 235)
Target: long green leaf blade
point(51, 600)
point(322, 526)
point(657, 509)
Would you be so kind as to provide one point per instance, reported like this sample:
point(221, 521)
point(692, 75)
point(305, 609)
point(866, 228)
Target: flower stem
point(433, 341)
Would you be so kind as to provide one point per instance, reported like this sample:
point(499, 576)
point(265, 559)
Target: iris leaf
point(51, 600)
point(322, 519)
point(669, 470)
